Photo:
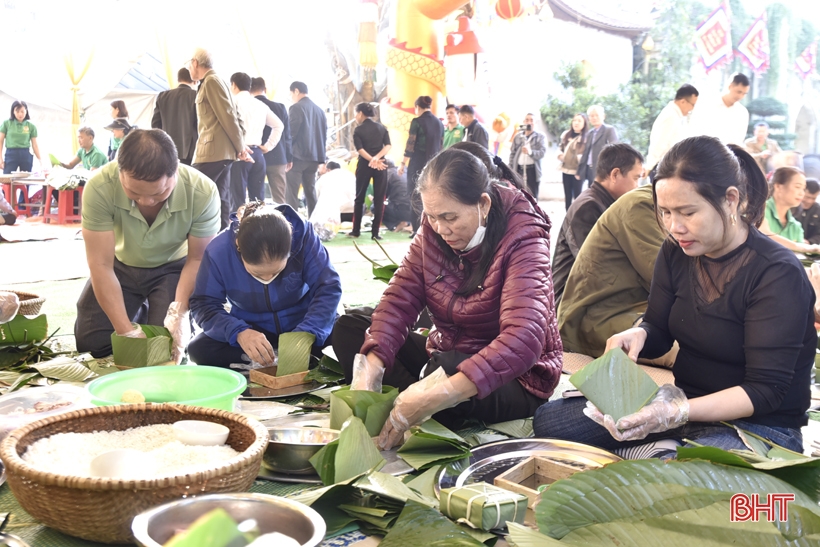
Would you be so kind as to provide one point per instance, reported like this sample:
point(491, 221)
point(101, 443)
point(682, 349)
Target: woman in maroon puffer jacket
point(481, 267)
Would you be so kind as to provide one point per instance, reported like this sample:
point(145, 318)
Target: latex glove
point(177, 322)
point(9, 306)
point(256, 346)
point(367, 375)
point(668, 410)
point(418, 403)
point(135, 332)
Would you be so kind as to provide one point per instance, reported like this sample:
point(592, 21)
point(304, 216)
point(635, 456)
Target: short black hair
point(467, 109)
point(300, 86)
point(812, 186)
point(449, 106)
point(19, 104)
point(740, 79)
point(366, 109)
point(121, 109)
point(184, 76)
point(148, 155)
point(762, 124)
point(263, 234)
point(241, 80)
point(424, 102)
point(616, 156)
point(331, 165)
point(686, 90)
point(258, 85)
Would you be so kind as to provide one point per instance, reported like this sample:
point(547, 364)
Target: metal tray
point(304, 419)
point(263, 392)
point(395, 466)
point(488, 461)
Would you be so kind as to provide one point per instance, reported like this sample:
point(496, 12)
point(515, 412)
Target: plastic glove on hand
point(668, 410)
point(9, 306)
point(418, 403)
point(367, 376)
point(135, 332)
point(177, 323)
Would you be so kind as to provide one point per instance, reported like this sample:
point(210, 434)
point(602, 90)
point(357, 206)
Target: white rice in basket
point(71, 453)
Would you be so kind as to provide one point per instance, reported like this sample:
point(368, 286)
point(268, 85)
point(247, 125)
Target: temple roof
point(626, 19)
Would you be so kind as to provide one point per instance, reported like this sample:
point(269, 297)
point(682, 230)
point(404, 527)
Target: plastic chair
point(65, 206)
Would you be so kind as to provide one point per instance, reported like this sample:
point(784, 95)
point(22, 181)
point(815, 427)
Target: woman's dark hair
point(571, 134)
point(424, 102)
point(122, 112)
point(148, 155)
point(464, 177)
point(263, 234)
point(366, 109)
point(14, 106)
point(712, 167)
point(496, 167)
point(783, 175)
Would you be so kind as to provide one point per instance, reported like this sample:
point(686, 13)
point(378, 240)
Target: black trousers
point(220, 173)
point(572, 189)
point(248, 177)
point(509, 402)
point(364, 173)
point(533, 183)
point(204, 350)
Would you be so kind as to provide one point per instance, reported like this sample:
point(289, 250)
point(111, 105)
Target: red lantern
point(509, 9)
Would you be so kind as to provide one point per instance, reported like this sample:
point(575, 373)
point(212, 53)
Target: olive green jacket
point(608, 286)
point(221, 135)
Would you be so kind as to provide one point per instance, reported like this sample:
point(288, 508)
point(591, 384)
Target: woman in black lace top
point(739, 305)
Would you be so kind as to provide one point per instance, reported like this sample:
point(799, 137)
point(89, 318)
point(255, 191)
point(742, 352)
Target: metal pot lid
point(490, 460)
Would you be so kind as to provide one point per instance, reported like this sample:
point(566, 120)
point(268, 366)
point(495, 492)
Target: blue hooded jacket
point(303, 297)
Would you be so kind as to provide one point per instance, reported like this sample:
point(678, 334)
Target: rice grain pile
point(71, 453)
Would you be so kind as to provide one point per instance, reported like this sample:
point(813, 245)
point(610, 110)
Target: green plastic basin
point(211, 387)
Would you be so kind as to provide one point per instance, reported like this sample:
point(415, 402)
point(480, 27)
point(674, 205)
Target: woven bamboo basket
point(99, 509)
point(30, 304)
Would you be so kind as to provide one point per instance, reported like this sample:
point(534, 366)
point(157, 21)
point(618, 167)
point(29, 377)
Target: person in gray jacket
point(308, 131)
point(528, 147)
point(175, 113)
point(598, 136)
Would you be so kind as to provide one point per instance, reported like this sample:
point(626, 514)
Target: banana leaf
point(421, 525)
point(433, 444)
point(294, 352)
point(22, 330)
point(523, 536)
point(53, 159)
point(425, 484)
point(65, 369)
point(802, 473)
point(615, 384)
point(328, 371)
point(154, 349)
point(350, 455)
point(385, 273)
point(392, 487)
point(370, 407)
point(215, 528)
point(518, 429)
point(477, 439)
point(646, 497)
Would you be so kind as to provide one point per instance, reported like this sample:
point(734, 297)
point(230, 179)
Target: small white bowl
point(122, 464)
point(200, 432)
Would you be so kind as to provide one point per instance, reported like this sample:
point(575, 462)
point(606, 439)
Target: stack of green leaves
point(327, 371)
point(294, 352)
point(373, 501)
point(433, 444)
point(370, 407)
point(352, 454)
point(421, 525)
point(649, 502)
point(22, 330)
point(615, 384)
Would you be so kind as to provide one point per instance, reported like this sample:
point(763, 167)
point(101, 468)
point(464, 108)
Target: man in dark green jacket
point(608, 285)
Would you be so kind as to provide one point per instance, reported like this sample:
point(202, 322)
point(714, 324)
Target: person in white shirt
point(671, 124)
point(255, 116)
point(724, 117)
point(336, 192)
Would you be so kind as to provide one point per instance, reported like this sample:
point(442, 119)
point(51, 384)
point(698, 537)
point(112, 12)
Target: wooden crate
point(535, 471)
point(267, 377)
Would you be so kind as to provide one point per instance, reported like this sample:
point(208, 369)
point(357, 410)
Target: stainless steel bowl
point(156, 527)
point(290, 448)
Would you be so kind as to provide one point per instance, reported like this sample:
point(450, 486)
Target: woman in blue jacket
point(277, 277)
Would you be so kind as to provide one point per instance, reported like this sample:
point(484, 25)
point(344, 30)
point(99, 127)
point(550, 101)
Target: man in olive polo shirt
point(146, 223)
point(90, 156)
